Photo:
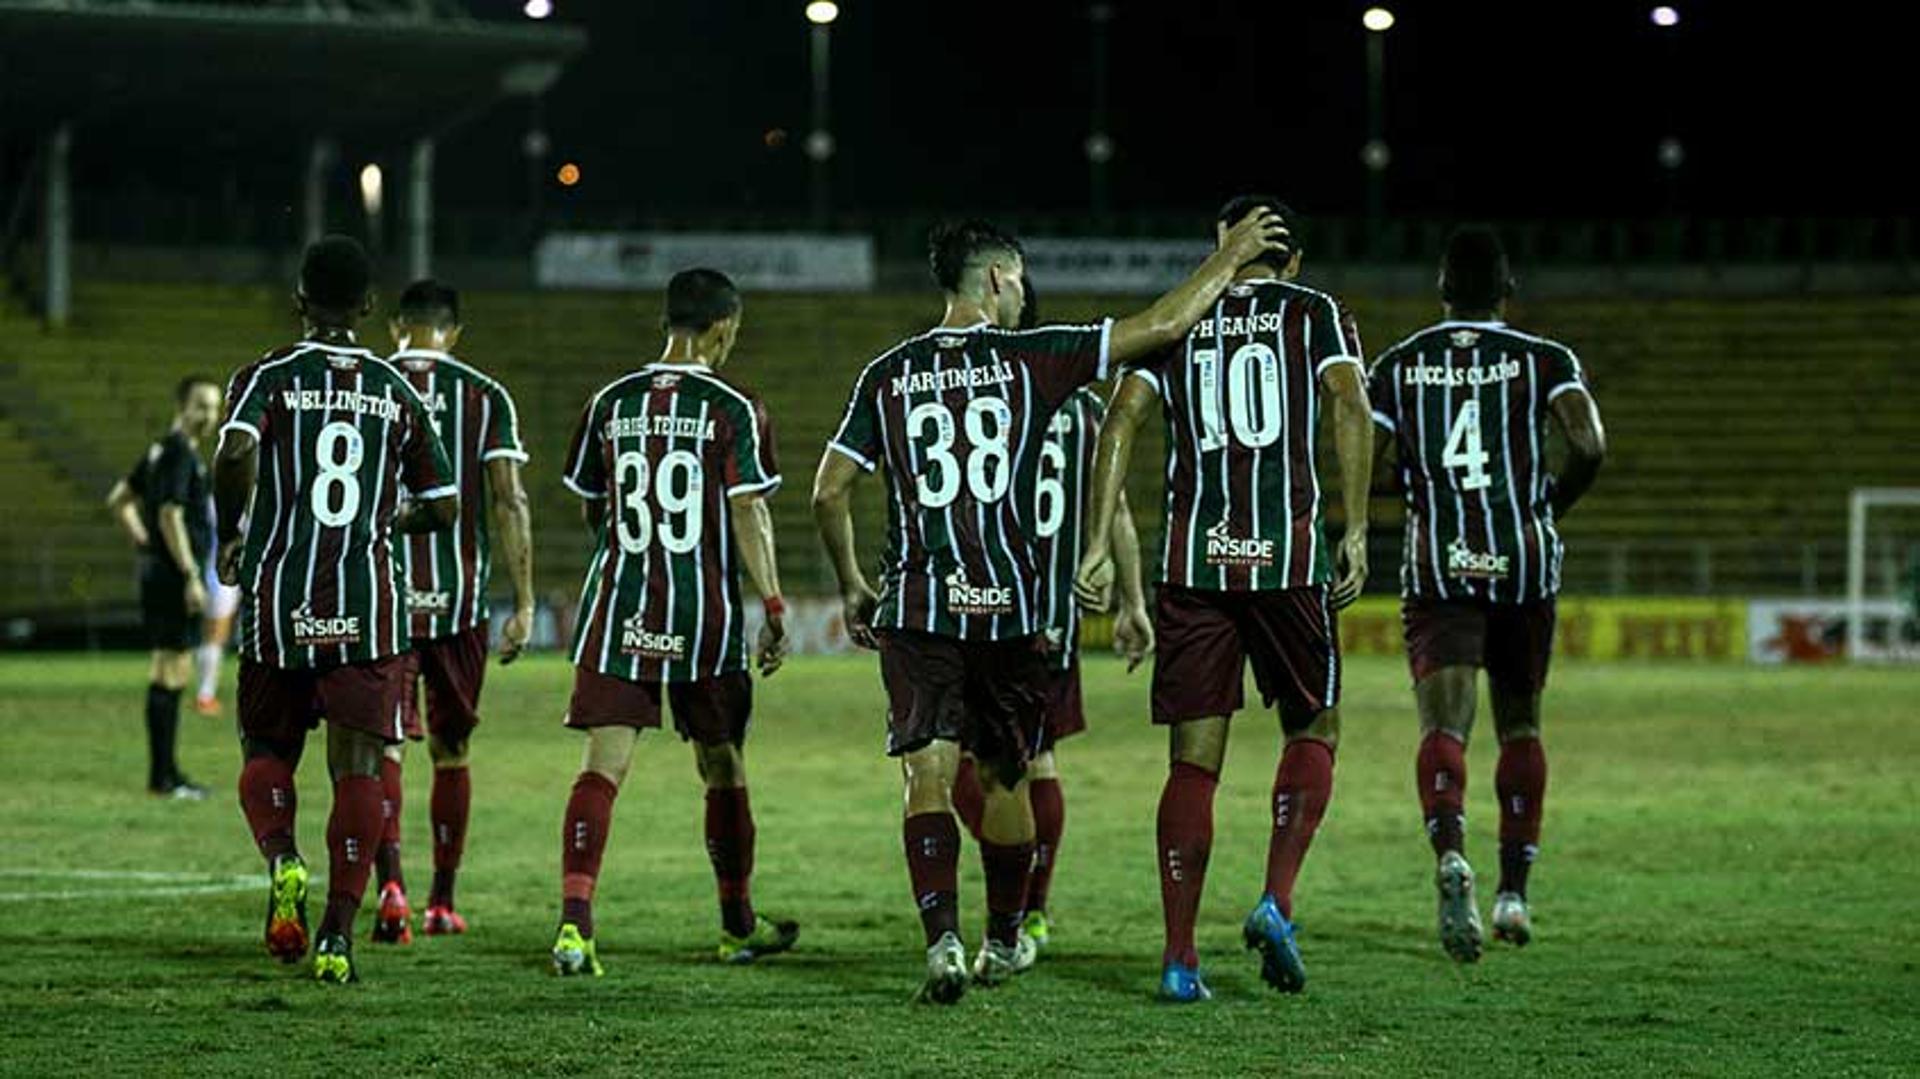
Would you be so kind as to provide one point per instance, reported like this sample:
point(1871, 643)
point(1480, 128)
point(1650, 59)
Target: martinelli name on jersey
point(959, 416)
point(341, 433)
point(1468, 406)
point(448, 572)
point(1241, 395)
point(668, 447)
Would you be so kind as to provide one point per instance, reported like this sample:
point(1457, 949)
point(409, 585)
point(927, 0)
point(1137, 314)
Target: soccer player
point(336, 453)
point(160, 505)
point(675, 464)
point(958, 415)
point(1246, 573)
point(447, 577)
point(1466, 404)
point(1059, 528)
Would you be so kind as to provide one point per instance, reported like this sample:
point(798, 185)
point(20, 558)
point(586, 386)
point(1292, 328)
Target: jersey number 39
point(675, 488)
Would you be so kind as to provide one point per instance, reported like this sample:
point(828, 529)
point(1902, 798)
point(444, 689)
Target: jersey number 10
point(1252, 397)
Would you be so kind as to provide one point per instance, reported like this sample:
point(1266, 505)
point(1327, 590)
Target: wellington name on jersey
point(1063, 468)
point(448, 572)
point(959, 417)
point(1468, 406)
point(341, 434)
point(667, 446)
point(1241, 395)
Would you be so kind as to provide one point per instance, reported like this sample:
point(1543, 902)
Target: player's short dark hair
point(427, 302)
point(336, 273)
point(1474, 275)
point(1030, 311)
point(952, 246)
point(1240, 206)
point(698, 298)
point(185, 387)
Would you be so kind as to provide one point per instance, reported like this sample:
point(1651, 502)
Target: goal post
point(1896, 599)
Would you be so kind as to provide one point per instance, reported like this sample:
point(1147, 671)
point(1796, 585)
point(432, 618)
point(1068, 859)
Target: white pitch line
point(237, 884)
point(164, 884)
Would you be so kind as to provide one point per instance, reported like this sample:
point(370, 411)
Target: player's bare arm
point(125, 507)
point(513, 526)
point(417, 516)
point(1132, 626)
point(1579, 418)
point(753, 534)
point(1353, 442)
point(236, 464)
point(1131, 404)
point(833, 515)
point(1170, 316)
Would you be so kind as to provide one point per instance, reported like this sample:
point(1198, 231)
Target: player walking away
point(159, 505)
point(1059, 528)
point(958, 415)
point(447, 576)
point(1246, 572)
point(336, 453)
point(1467, 403)
point(675, 465)
point(223, 601)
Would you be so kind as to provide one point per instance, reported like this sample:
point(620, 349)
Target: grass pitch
point(1727, 886)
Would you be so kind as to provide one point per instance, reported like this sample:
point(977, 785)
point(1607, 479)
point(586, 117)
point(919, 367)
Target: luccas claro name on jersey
point(1435, 375)
point(637, 640)
point(1226, 549)
point(1464, 561)
point(965, 598)
point(309, 631)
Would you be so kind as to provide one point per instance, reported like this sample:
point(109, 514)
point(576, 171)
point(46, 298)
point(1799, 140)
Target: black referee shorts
point(163, 608)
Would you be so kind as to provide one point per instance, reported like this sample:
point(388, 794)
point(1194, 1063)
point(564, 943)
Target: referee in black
point(162, 505)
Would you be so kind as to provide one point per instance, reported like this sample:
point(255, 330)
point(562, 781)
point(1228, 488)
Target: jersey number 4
point(676, 489)
point(1463, 450)
point(989, 468)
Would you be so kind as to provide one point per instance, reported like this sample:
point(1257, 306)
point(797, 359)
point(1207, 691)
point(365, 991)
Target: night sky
point(1551, 109)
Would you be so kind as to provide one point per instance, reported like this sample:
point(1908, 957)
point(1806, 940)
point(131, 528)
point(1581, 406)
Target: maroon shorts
point(451, 670)
point(988, 696)
point(1066, 713)
point(1205, 638)
point(284, 704)
point(1513, 641)
point(711, 711)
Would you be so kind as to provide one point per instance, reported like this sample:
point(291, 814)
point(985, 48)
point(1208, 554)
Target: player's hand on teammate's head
point(1093, 582)
point(514, 634)
point(1353, 569)
point(1133, 634)
point(857, 606)
point(1258, 234)
point(227, 564)
point(774, 644)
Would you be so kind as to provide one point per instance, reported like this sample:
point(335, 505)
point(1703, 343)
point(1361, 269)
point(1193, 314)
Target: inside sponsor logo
point(429, 602)
point(967, 598)
point(310, 631)
point(1225, 549)
point(1464, 561)
point(637, 640)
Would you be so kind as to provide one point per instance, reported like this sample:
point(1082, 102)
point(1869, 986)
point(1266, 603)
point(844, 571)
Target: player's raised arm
point(1174, 313)
point(1111, 456)
point(1579, 418)
point(833, 515)
point(513, 525)
point(1353, 442)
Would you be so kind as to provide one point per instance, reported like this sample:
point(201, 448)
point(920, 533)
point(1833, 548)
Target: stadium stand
point(1737, 425)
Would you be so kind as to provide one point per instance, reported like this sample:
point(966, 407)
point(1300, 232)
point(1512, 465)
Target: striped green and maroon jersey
point(1467, 404)
point(341, 436)
point(1242, 400)
point(668, 446)
point(1060, 514)
point(959, 416)
point(447, 572)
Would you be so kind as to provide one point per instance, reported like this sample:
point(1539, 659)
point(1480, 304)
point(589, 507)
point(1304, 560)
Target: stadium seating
point(1739, 423)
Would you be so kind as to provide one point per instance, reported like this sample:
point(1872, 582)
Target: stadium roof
point(383, 69)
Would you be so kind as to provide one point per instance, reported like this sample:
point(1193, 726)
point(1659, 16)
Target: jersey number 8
point(989, 471)
point(338, 453)
point(676, 489)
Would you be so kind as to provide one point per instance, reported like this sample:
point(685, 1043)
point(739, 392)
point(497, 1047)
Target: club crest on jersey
point(665, 380)
point(431, 603)
point(1464, 338)
point(1226, 549)
point(1464, 561)
point(637, 640)
point(310, 631)
point(966, 598)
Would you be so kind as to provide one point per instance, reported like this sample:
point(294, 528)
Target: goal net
point(1883, 575)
